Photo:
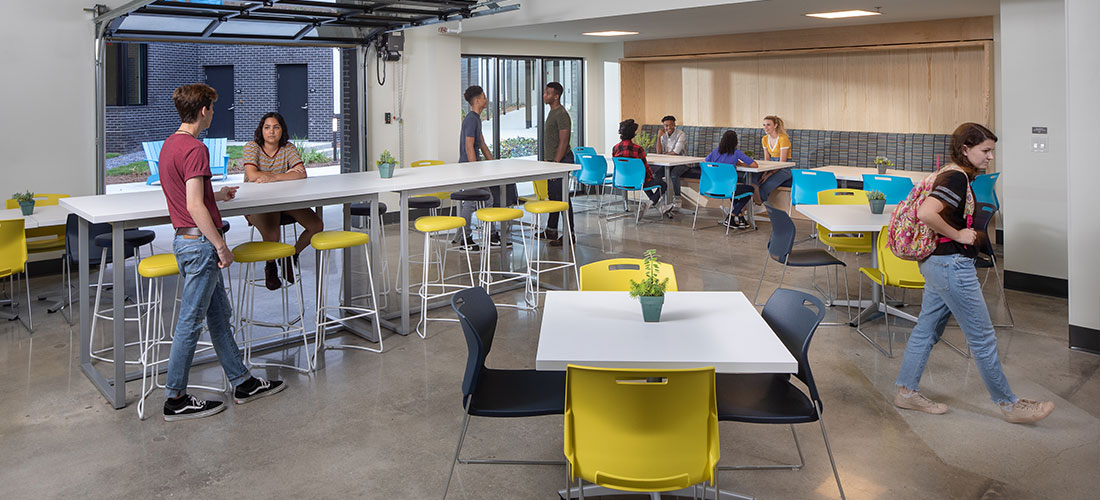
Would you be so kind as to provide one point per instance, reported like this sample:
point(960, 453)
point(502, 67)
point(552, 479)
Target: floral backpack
point(907, 236)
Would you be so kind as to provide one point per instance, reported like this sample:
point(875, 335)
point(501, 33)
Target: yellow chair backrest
point(896, 271)
point(641, 430)
point(542, 190)
point(854, 242)
point(40, 200)
point(442, 195)
point(13, 247)
point(614, 275)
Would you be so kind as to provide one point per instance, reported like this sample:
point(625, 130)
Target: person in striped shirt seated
point(270, 157)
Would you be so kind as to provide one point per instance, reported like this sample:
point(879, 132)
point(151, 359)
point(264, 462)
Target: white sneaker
point(666, 208)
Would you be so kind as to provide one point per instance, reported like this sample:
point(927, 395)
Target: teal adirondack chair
point(152, 157)
point(219, 159)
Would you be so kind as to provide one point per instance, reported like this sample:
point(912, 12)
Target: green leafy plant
point(750, 153)
point(882, 160)
point(516, 147)
point(308, 155)
point(650, 286)
point(645, 140)
point(386, 158)
point(23, 197)
point(876, 195)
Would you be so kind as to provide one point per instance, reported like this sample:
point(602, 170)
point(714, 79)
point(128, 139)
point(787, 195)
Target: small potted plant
point(386, 164)
point(883, 163)
point(645, 140)
point(650, 291)
point(26, 202)
point(877, 200)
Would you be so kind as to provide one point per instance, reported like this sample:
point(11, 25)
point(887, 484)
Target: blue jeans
point(951, 287)
point(203, 298)
point(781, 177)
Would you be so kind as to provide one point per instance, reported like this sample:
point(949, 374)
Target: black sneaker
point(730, 222)
point(255, 388)
point(189, 407)
point(468, 243)
point(742, 223)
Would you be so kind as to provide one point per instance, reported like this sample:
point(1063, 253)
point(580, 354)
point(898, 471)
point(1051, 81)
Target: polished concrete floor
point(385, 425)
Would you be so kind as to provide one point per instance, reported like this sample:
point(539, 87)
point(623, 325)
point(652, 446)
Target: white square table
point(697, 329)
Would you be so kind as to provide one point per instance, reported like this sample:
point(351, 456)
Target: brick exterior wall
point(173, 64)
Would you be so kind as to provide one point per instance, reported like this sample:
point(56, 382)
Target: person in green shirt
point(555, 148)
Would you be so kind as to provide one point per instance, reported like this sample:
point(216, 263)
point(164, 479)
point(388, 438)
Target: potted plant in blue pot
point(26, 202)
point(651, 290)
point(386, 164)
point(877, 200)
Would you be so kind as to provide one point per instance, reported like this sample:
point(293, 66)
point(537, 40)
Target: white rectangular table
point(697, 329)
point(129, 210)
point(669, 161)
point(846, 173)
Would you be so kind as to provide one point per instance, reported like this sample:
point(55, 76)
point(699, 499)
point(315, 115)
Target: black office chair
point(771, 398)
point(488, 392)
point(983, 213)
point(781, 249)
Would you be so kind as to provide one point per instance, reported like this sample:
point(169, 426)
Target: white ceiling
point(651, 19)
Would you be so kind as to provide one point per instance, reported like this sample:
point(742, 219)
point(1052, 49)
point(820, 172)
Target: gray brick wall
point(175, 64)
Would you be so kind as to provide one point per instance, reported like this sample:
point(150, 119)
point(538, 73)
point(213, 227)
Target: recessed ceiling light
point(610, 33)
point(840, 14)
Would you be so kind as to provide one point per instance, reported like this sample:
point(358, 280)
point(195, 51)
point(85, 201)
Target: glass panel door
point(518, 106)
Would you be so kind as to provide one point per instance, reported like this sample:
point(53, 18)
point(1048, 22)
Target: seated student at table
point(671, 141)
point(777, 147)
point(270, 157)
point(627, 149)
point(727, 152)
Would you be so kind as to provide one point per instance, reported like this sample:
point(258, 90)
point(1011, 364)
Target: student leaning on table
point(727, 152)
point(777, 147)
point(200, 254)
point(270, 157)
point(952, 286)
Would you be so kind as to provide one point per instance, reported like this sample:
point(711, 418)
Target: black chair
point(772, 398)
point(983, 213)
point(781, 249)
point(488, 392)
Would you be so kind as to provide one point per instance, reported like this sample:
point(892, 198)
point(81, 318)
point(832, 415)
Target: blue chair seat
point(762, 398)
point(518, 393)
point(425, 202)
point(364, 208)
point(471, 195)
point(131, 238)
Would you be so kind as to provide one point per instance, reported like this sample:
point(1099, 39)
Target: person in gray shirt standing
point(471, 144)
point(555, 148)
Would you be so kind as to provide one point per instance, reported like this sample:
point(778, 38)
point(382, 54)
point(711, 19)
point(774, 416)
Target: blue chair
point(630, 176)
point(807, 183)
point(719, 181)
point(983, 189)
point(593, 173)
point(582, 150)
point(219, 159)
point(896, 188)
point(152, 157)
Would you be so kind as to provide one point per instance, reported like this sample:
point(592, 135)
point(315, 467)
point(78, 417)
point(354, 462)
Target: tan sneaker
point(1027, 411)
point(913, 400)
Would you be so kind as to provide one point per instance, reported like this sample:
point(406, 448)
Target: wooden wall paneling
point(744, 89)
point(664, 91)
point(970, 86)
point(920, 89)
point(632, 89)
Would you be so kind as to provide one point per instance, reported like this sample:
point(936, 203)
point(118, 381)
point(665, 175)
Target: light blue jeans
point(951, 287)
point(203, 299)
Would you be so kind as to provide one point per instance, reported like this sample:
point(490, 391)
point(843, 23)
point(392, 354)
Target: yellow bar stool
point(487, 276)
point(435, 226)
point(156, 332)
point(536, 266)
point(432, 204)
point(248, 255)
point(326, 242)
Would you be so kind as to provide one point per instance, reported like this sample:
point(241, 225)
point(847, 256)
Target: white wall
point(48, 129)
point(1033, 185)
point(1083, 104)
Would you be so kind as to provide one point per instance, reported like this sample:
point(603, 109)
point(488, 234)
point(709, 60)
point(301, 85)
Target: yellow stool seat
point(498, 214)
point(546, 206)
point(260, 251)
point(329, 240)
point(159, 265)
point(435, 223)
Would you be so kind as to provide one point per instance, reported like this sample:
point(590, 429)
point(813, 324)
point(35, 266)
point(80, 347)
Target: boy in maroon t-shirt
point(200, 253)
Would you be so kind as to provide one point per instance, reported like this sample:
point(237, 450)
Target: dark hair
point(627, 129)
point(667, 118)
point(471, 92)
point(190, 99)
point(258, 136)
point(558, 89)
point(968, 135)
point(728, 144)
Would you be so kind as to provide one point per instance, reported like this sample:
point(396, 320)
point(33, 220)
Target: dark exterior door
point(221, 78)
point(293, 99)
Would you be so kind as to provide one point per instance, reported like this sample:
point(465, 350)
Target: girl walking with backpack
point(951, 282)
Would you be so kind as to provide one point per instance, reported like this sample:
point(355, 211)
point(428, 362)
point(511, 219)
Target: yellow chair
point(542, 192)
point(247, 255)
point(327, 242)
point(614, 275)
point(892, 271)
point(641, 430)
point(439, 225)
point(844, 242)
point(13, 261)
point(48, 238)
point(442, 195)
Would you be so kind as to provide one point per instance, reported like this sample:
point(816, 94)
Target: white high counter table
point(129, 210)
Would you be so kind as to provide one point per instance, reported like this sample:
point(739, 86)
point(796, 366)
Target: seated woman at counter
point(727, 152)
point(777, 147)
point(270, 157)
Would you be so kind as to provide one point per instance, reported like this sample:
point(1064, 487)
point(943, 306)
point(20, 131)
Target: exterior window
point(126, 74)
